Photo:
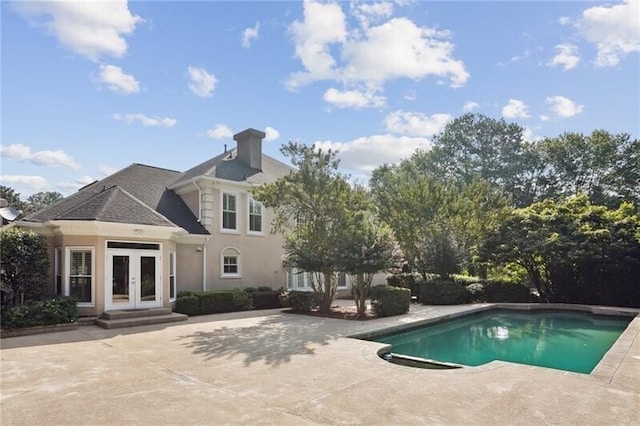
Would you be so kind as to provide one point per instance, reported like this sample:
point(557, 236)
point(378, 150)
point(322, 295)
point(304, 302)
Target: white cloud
point(271, 134)
point(37, 183)
point(564, 20)
point(118, 81)
point(367, 153)
point(515, 109)
point(544, 117)
point(220, 131)
point(107, 170)
point(77, 184)
point(323, 25)
point(470, 106)
point(353, 98)
point(564, 107)
point(368, 13)
point(91, 29)
point(250, 34)
point(567, 56)
point(329, 50)
point(146, 120)
point(416, 123)
point(23, 153)
point(614, 30)
point(529, 136)
point(201, 83)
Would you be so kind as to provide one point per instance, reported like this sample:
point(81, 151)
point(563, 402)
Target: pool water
point(572, 341)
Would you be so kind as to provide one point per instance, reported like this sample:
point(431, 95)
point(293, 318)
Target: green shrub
point(188, 305)
point(266, 299)
point(388, 300)
point(441, 292)
point(465, 279)
point(264, 288)
point(302, 301)
point(25, 267)
point(241, 301)
point(506, 292)
point(184, 293)
point(59, 310)
point(249, 289)
point(216, 301)
point(405, 280)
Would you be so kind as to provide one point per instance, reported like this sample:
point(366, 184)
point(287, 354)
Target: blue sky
point(89, 88)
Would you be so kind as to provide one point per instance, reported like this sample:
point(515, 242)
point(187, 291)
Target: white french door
point(134, 279)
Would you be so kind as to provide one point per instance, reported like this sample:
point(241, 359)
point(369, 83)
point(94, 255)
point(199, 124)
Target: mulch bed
point(338, 312)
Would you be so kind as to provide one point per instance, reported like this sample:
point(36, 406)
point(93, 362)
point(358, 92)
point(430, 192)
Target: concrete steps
point(134, 318)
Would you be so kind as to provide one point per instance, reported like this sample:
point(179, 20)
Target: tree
point(573, 251)
point(25, 265)
point(41, 200)
point(309, 207)
point(476, 146)
point(437, 223)
point(604, 166)
point(366, 247)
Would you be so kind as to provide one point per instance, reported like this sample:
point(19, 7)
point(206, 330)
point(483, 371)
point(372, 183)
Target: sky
point(89, 88)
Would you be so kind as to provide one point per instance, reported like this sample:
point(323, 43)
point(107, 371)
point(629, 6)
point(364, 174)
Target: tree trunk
point(329, 292)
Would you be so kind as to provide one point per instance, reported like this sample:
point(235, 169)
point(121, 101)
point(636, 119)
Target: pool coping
point(604, 371)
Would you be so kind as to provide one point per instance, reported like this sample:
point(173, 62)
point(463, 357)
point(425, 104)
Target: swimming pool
point(564, 340)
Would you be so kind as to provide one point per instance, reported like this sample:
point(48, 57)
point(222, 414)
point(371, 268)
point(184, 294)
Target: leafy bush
point(266, 299)
point(60, 310)
point(388, 300)
point(465, 279)
point(302, 301)
point(405, 280)
point(184, 293)
point(441, 292)
point(241, 301)
point(506, 292)
point(249, 289)
point(188, 305)
point(25, 267)
point(264, 288)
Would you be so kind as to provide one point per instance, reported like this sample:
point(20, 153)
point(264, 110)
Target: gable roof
point(228, 166)
point(137, 194)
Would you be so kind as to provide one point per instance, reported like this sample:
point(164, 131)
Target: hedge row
point(219, 301)
point(446, 292)
point(59, 310)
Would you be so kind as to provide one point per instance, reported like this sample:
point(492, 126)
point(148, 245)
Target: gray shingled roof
point(116, 205)
point(138, 182)
point(227, 166)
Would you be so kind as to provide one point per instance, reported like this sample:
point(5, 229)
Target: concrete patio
point(268, 367)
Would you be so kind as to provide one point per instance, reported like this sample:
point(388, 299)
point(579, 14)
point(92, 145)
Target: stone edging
point(38, 330)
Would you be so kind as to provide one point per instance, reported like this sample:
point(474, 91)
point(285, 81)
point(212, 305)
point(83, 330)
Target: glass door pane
point(147, 278)
point(121, 279)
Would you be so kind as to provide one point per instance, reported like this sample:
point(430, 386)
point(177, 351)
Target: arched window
point(230, 265)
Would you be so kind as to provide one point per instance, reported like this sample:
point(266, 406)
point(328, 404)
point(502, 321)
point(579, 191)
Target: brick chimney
point(250, 147)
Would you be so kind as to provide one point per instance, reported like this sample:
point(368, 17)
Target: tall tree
point(604, 166)
point(366, 247)
point(309, 208)
point(41, 200)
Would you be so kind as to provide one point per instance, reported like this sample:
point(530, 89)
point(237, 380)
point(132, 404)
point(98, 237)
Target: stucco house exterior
point(136, 238)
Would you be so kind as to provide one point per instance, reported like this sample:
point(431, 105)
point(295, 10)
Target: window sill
point(225, 276)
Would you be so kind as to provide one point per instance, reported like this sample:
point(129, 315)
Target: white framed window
point(57, 284)
point(172, 276)
point(229, 214)
point(230, 263)
point(80, 273)
point(299, 280)
point(255, 217)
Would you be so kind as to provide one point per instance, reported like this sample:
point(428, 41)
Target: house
point(136, 238)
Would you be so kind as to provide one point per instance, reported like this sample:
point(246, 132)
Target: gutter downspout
point(204, 264)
